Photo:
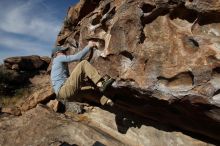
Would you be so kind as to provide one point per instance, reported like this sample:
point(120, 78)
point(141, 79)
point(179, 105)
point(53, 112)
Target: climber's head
point(58, 49)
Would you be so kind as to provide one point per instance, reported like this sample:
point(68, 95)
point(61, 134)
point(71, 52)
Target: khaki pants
point(73, 84)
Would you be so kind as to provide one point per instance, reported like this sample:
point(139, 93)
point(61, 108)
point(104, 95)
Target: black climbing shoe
point(107, 82)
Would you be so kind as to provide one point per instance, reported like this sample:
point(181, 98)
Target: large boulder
point(16, 72)
point(164, 54)
point(42, 126)
point(27, 63)
point(43, 95)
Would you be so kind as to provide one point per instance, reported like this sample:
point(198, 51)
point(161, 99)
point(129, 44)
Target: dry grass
point(11, 92)
point(19, 95)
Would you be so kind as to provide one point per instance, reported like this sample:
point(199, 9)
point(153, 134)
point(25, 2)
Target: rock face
point(165, 57)
point(164, 54)
point(42, 96)
point(41, 126)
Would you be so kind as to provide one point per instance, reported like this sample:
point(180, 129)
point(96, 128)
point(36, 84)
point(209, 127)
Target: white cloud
point(26, 18)
point(22, 47)
point(25, 45)
point(27, 27)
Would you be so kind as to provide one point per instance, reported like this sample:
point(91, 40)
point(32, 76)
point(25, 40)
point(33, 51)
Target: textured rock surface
point(54, 130)
point(54, 105)
point(164, 55)
point(42, 96)
point(41, 126)
point(11, 110)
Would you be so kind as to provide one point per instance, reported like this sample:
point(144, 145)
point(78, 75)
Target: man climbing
point(66, 86)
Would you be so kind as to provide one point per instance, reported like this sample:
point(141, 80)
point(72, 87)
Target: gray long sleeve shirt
point(60, 71)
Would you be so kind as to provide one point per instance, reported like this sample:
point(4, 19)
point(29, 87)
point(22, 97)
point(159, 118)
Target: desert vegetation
point(11, 89)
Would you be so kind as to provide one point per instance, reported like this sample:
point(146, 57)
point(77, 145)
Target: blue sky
point(30, 27)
